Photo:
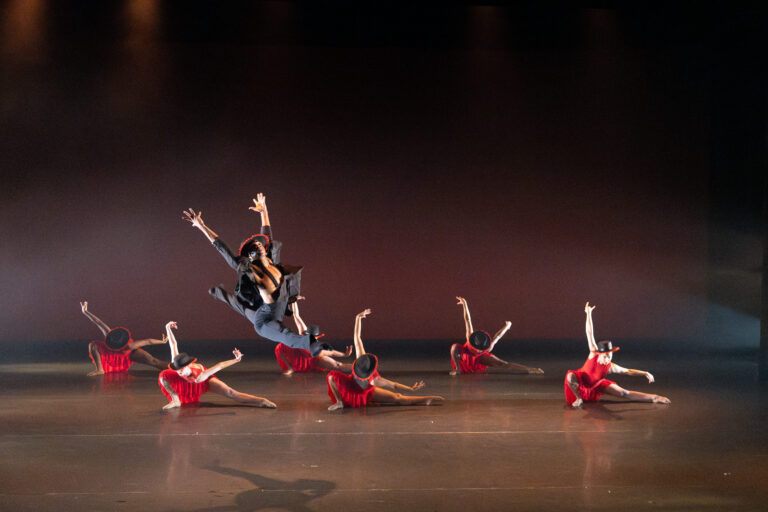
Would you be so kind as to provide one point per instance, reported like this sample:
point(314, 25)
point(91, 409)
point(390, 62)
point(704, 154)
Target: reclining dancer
point(185, 380)
point(118, 351)
point(474, 356)
point(589, 382)
point(299, 360)
point(264, 286)
point(364, 385)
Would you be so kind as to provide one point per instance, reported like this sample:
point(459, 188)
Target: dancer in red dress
point(118, 351)
point(299, 360)
point(364, 385)
point(588, 383)
point(185, 379)
point(474, 356)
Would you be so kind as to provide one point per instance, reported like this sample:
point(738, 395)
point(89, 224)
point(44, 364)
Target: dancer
point(264, 286)
point(589, 382)
point(118, 351)
point(474, 356)
point(299, 360)
point(365, 385)
point(185, 379)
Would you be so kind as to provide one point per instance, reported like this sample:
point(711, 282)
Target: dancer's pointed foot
point(657, 399)
point(336, 407)
point(95, 372)
point(172, 405)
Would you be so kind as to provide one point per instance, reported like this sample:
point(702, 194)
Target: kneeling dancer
point(365, 385)
point(589, 382)
point(474, 356)
point(185, 380)
point(118, 351)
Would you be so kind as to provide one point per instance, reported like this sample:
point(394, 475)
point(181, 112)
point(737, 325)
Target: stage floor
point(500, 442)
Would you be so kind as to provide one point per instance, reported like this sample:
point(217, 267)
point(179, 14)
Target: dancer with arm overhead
point(365, 385)
point(588, 383)
point(118, 351)
point(474, 355)
point(185, 379)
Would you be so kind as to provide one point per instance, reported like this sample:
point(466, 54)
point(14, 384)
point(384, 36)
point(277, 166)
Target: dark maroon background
point(527, 159)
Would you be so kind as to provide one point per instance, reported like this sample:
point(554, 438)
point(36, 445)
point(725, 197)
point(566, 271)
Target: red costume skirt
point(352, 395)
point(112, 360)
point(299, 360)
point(188, 392)
point(468, 360)
point(586, 393)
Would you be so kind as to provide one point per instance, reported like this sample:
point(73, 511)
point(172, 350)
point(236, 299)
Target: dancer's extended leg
point(384, 396)
point(218, 386)
point(96, 357)
point(493, 361)
point(637, 396)
point(329, 363)
point(140, 355)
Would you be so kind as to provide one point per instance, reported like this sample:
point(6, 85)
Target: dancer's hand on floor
point(418, 385)
point(649, 377)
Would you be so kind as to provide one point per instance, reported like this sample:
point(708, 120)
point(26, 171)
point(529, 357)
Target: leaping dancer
point(365, 385)
point(588, 382)
point(118, 351)
point(474, 356)
point(185, 379)
point(264, 286)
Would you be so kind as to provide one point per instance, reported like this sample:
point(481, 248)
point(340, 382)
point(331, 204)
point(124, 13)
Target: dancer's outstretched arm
point(172, 339)
point(467, 319)
point(499, 334)
point(196, 219)
point(219, 366)
point(590, 328)
point(629, 371)
point(149, 341)
point(260, 207)
point(104, 328)
point(359, 349)
point(381, 382)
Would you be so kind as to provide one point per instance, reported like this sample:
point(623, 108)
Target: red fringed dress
point(112, 360)
point(186, 388)
point(299, 360)
point(468, 359)
point(592, 381)
point(352, 395)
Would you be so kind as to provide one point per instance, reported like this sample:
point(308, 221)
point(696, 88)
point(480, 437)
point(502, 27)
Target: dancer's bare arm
point(104, 328)
point(629, 371)
point(149, 341)
point(381, 382)
point(260, 207)
point(467, 319)
point(219, 366)
point(359, 349)
point(590, 328)
point(499, 334)
point(196, 219)
point(172, 339)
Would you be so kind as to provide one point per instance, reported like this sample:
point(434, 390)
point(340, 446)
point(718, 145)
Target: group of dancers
point(267, 291)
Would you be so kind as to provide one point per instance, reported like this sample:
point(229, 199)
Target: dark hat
point(480, 340)
point(118, 338)
point(364, 366)
point(605, 347)
point(250, 242)
point(181, 360)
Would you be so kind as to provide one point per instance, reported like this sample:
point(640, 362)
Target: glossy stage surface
point(500, 442)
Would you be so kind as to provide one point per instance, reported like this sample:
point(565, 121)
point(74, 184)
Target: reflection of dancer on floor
point(117, 351)
point(474, 356)
point(300, 360)
point(589, 382)
point(185, 380)
point(264, 285)
point(365, 385)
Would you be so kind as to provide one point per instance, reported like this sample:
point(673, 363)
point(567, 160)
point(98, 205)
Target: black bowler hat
point(606, 346)
point(118, 338)
point(249, 243)
point(364, 366)
point(480, 340)
point(181, 360)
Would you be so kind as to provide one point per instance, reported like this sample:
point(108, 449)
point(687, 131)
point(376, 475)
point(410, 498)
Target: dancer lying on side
point(264, 286)
point(118, 351)
point(185, 380)
point(474, 356)
point(364, 385)
point(300, 360)
point(589, 382)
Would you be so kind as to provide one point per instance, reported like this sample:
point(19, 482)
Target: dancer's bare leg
point(493, 361)
point(335, 390)
point(140, 355)
point(329, 363)
point(385, 396)
point(455, 356)
point(637, 396)
point(289, 371)
point(94, 350)
point(218, 386)
point(175, 402)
